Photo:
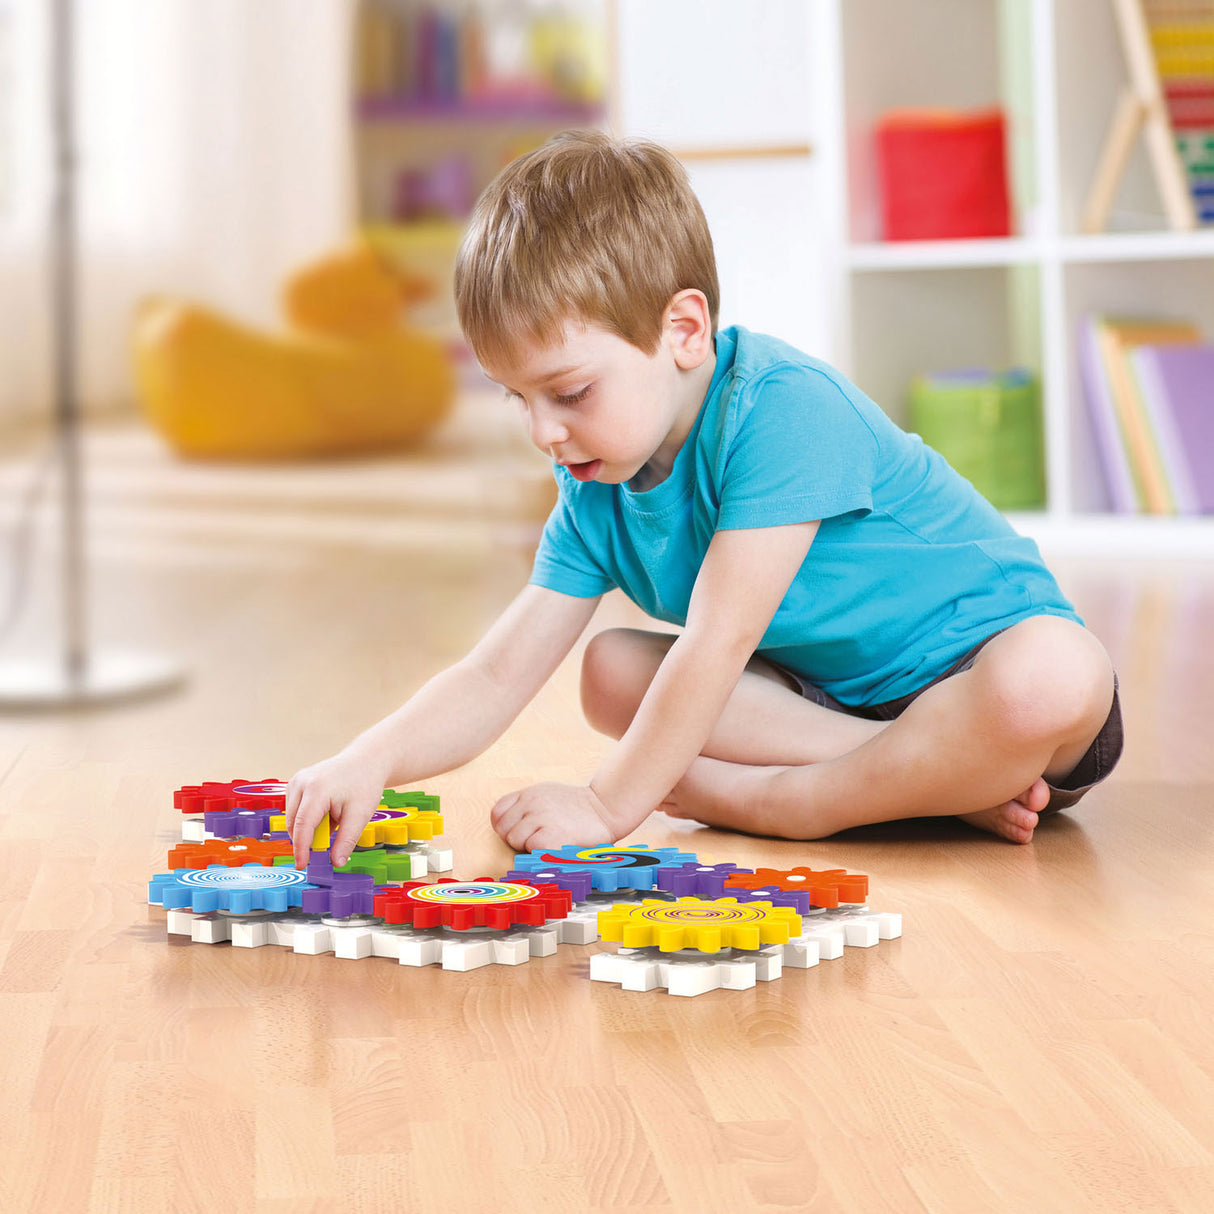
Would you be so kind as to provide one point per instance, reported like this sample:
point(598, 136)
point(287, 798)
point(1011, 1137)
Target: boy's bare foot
point(716, 793)
point(1016, 820)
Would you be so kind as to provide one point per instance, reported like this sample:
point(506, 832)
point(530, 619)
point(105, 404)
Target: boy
point(865, 637)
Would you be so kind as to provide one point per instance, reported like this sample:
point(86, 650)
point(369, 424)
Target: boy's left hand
point(548, 815)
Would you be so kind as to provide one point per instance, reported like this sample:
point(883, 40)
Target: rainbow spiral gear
point(238, 890)
point(826, 888)
point(215, 797)
point(461, 905)
point(610, 868)
point(707, 925)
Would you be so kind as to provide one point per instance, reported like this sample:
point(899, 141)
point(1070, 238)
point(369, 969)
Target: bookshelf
point(1056, 69)
point(446, 92)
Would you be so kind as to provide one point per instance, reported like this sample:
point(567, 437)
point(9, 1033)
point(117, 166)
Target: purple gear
point(577, 883)
point(696, 880)
point(239, 823)
point(338, 895)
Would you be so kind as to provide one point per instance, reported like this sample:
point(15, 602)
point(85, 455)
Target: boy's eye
point(572, 398)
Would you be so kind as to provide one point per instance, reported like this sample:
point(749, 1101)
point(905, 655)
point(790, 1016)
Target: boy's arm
point(743, 579)
point(451, 719)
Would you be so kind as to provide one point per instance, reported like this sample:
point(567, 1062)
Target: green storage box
point(988, 426)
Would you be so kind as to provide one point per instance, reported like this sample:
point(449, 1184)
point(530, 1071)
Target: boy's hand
point(548, 815)
point(347, 788)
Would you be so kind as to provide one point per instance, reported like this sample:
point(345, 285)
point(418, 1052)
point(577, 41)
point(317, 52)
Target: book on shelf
point(1178, 384)
point(1150, 391)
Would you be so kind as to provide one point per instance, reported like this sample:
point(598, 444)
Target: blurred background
point(956, 201)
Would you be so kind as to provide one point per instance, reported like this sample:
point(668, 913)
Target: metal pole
point(66, 387)
point(81, 677)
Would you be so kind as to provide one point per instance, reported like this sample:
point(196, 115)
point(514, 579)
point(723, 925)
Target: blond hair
point(587, 228)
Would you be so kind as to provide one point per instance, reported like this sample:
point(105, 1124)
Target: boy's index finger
point(302, 832)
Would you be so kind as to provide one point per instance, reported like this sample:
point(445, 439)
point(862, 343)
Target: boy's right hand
point(346, 787)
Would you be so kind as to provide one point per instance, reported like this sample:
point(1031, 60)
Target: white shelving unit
point(1055, 68)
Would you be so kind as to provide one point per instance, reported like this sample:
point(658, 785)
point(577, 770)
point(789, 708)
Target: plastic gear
point(395, 825)
point(577, 882)
point(611, 868)
point(696, 880)
point(826, 888)
point(708, 925)
point(237, 890)
point(230, 852)
point(461, 905)
point(380, 864)
point(235, 794)
point(337, 893)
point(238, 823)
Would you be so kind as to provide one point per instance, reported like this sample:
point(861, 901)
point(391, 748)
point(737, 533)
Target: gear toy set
point(682, 925)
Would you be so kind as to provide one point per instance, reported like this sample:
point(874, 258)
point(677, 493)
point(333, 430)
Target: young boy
point(864, 638)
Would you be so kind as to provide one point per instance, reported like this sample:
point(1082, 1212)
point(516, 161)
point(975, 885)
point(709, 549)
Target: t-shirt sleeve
point(563, 562)
point(799, 450)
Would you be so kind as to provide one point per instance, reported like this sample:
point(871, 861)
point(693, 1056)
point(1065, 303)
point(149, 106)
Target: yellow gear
point(707, 924)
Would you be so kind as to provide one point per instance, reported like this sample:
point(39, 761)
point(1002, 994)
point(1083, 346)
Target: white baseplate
point(824, 936)
point(688, 972)
point(356, 939)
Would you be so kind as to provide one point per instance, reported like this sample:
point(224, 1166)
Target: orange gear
point(826, 888)
point(232, 852)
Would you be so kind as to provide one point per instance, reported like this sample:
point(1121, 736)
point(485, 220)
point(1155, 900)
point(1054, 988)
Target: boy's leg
point(975, 745)
point(766, 722)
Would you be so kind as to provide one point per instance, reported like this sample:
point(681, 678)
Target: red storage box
point(943, 174)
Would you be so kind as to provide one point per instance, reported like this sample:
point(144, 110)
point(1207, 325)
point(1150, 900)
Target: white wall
point(716, 73)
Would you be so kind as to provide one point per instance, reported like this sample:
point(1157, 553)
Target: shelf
point(940, 254)
point(1137, 246)
point(1114, 247)
point(1131, 536)
point(505, 111)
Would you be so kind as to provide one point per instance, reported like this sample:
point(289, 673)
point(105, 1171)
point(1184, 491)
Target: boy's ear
point(688, 326)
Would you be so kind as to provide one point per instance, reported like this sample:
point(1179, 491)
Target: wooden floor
point(1039, 1040)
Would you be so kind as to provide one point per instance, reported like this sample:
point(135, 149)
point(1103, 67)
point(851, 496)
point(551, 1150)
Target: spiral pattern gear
point(707, 925)
point(826, 888)
point(462, 905)
point(610, 868)
point(237, 890)
point(213, 796)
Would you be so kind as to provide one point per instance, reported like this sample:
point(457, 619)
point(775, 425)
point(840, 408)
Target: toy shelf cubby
point(1055, 68)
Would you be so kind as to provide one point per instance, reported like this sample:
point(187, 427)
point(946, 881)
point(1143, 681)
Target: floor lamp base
point(109, 677)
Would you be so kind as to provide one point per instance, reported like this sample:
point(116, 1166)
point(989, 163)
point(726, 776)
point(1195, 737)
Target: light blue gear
point(611, 868)
point(251, 887)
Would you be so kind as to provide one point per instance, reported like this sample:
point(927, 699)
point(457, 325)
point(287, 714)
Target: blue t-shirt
point(910, 568)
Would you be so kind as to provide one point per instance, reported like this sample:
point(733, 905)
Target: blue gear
point(252, 887)
point(610, 868)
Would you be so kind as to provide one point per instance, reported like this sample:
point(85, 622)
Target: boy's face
point(603, 408)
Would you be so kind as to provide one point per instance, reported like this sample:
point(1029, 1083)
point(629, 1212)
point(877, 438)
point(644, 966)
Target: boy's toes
point(1012, 821)
point(1035, 798)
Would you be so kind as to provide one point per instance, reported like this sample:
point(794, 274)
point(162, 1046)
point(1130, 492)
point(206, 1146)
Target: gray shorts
point(1098, 761)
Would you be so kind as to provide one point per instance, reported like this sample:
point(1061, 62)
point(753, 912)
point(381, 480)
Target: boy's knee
point(1054, 684)
point(617, 667)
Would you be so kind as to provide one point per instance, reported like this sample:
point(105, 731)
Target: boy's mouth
point(585, 472)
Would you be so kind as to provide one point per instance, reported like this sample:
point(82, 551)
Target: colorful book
point(1106, 425)
point(1116, 338)
point(1177, 384)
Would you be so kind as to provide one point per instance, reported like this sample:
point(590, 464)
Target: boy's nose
point(546, 430)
